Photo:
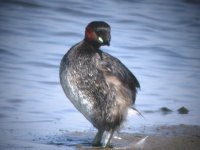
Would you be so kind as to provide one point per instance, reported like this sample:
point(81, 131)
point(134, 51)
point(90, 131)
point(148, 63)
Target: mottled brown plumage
point(98, 84)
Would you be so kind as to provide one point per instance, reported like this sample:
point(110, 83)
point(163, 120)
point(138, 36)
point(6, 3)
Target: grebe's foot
point(107, 141)
point(97, 139)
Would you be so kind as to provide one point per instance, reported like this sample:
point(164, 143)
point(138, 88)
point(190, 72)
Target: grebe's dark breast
point(98, 84)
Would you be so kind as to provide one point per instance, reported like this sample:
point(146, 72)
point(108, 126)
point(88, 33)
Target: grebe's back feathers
point(113, 69)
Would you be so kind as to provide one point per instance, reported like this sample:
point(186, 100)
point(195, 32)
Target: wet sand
point(158, 143)
point(179, 137)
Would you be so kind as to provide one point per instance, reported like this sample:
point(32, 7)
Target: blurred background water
point(159, 41)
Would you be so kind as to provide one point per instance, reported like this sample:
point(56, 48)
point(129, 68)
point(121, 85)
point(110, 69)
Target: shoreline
point(173, 137)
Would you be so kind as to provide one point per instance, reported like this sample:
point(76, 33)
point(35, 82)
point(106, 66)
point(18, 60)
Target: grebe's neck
point(95, 45)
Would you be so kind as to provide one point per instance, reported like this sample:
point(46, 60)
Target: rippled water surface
point(159, 41)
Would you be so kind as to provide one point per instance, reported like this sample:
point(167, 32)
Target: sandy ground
point(179, 137)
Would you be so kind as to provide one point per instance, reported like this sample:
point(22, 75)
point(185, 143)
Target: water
point(158, 41)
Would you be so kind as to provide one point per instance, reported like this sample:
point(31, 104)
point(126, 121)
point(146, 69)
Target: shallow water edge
point(155, 137)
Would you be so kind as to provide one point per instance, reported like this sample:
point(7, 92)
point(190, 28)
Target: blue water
point(159, 41)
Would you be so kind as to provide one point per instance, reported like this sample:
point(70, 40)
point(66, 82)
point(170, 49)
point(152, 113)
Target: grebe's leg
point(97, 140)
point(108, 138)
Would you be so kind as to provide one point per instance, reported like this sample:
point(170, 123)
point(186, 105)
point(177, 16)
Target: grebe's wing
point(114, 67)
point(118, 76)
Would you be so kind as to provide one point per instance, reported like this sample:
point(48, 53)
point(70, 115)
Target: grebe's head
point(98, 32)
